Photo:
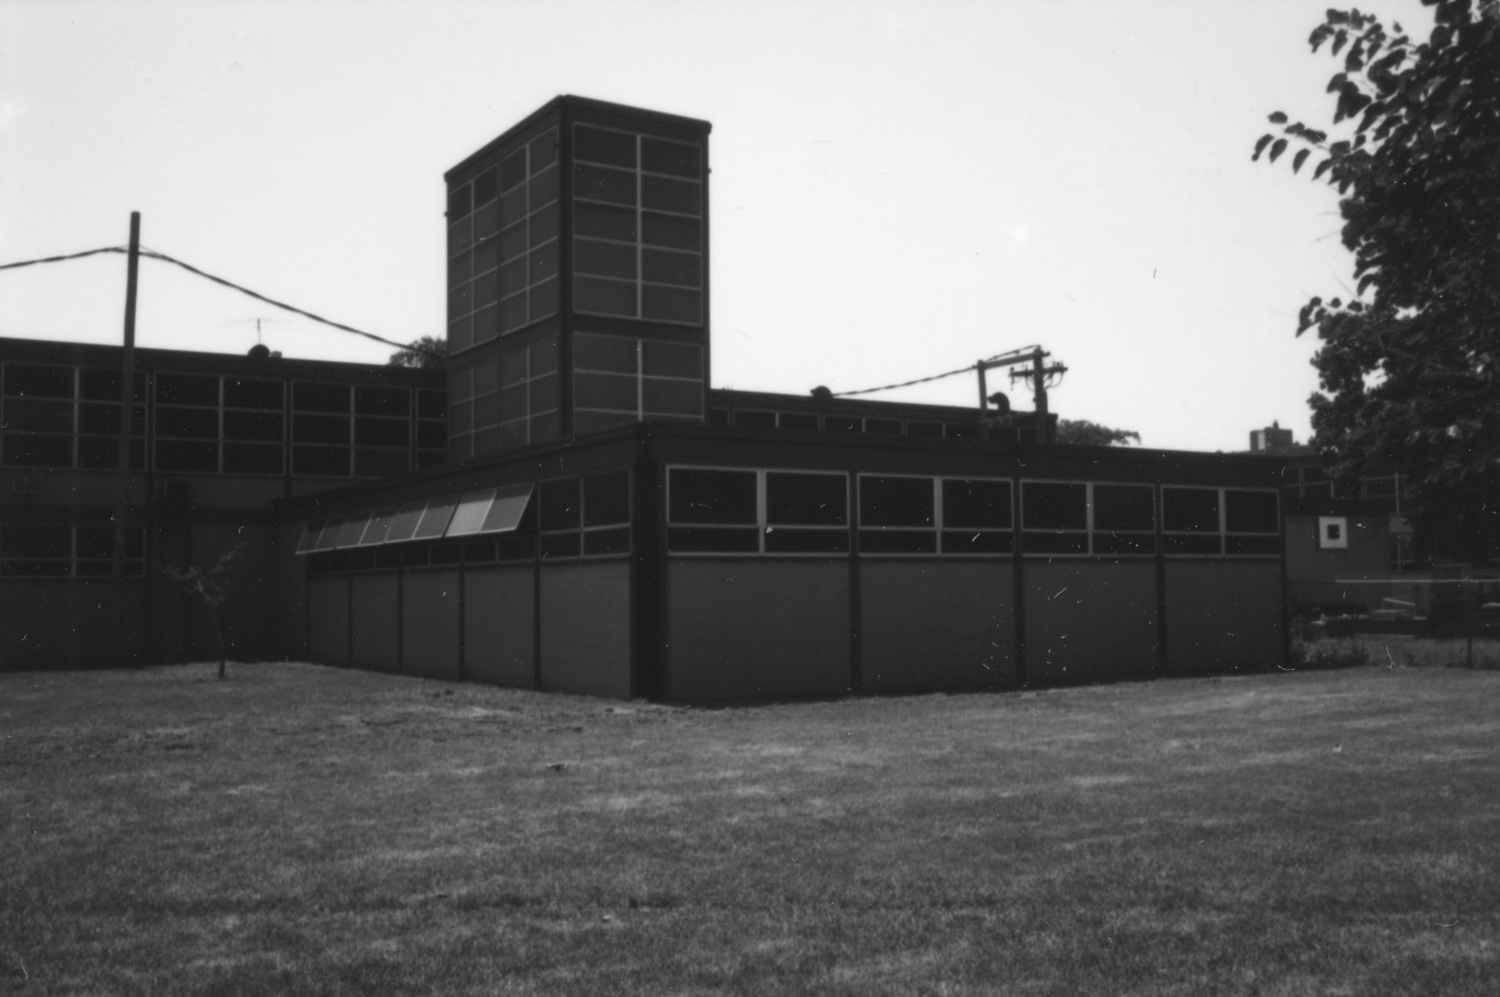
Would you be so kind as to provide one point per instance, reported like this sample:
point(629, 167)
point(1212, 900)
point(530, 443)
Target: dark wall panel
point(937, 625)
point(586, 628)
point(758, 630)
point(377, 635)
point(63, 624)
point(291, 595)
point(429, 624)
point(328, 626)
point(1223, 616)
point(1090, 621)
point(499, 626)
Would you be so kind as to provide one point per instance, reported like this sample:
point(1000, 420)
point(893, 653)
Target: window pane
point(193, 423)
point(606, 499)
point(1250, 512)
point(895, 501)
point(660, 155)
point(38, 451)
point(509, 511)
point(978, 504)
point(807, 541)
point(245, 392)
point(559, 504)
point(707, 539)
point(470, 514)
point(404, 525)
point(1124, 507)
point(897, 542)
point(672, 359)
point(177, 455)
point(700, 495)
point(765, 419)
point(1054, 506)
point(598, 183)
point(34, 541)
point(977, 542)
point(253, 426)
point(615, 354)
point(597, 145)
point(379, 400)
point(1190, 509)
point(320, 397)
point(187, 389)
point(806, 499)
point(604, 222)
point(607, 259)
point(252, 458)
point(435, 519)
point(37, 381)
point(681, 196)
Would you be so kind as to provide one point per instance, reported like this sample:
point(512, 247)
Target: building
point(217, 441)
point(606, 523)
point(1348, 547)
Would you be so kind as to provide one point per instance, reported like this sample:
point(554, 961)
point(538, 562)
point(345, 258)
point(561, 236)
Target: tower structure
point(577, 276)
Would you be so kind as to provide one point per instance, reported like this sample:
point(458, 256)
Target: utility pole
point(1038, 375)
point(127, 410)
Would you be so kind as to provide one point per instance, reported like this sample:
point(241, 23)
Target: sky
point(898, 189)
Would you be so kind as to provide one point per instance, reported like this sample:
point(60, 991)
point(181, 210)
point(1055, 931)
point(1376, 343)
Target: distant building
point(1347, 548)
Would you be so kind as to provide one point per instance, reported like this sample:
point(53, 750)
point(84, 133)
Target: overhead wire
point(155, 255)
point(937, 377)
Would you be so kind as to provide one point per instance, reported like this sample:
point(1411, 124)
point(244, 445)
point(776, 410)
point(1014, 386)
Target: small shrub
point(1329, 653)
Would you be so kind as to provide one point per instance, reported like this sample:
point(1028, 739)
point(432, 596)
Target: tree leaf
point(1278, 118)
point(1278, 148)
point(1260, 146)
point(1322, 168)
point(1299, 159)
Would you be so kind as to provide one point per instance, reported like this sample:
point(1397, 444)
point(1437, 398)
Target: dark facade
point(699, 563)
point(217, 441)
point(605, 523)
point(578, 276)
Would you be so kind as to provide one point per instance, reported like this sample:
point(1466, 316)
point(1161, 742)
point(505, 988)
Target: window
point(1082, 517)
point(1233, 521)
point(1054, 517)
point(1333, 533)
point(187, 423)
point(744, 511)
point(586, 516)
point(976, 516)
point(527, 400)
point(49, 550)
point(710, 509)
point(918, 515)
point(489, 524)
point(503, 245)
point(897, 515)
point(59, 417)
point(619, 379)
point(806, 512)
point(638, 226)
point(1124, 519)
point(1252, 522)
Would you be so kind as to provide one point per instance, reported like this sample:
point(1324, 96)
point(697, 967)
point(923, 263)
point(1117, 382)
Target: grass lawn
point(305, 830)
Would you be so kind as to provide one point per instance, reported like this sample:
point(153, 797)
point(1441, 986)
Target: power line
point(936, 377)
point(59, 259)
point(904, 384)
point(153, 254)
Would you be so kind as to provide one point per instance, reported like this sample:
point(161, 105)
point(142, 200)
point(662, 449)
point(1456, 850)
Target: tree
point(425, 351)
point(1079, 432)
point(1409, 364)
point(211, 586)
